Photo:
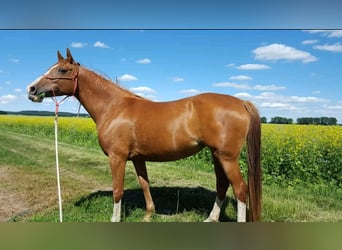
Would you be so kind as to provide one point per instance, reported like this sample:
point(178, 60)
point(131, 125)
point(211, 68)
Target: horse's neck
point(98, 94)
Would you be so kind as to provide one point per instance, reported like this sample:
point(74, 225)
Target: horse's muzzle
point(34, 96)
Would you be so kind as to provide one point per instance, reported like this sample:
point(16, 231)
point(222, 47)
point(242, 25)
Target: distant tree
point(332, 121)
point(263, 119)
point(281, 120)
point(324, 120)
point(317, 120)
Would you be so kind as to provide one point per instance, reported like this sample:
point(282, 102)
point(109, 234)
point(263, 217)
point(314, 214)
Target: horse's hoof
point(210, 220)
point(147, 218)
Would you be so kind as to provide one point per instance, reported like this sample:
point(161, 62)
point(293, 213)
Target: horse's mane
point(115, 84)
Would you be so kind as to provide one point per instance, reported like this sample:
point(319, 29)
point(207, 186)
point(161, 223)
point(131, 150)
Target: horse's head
point(60, 79)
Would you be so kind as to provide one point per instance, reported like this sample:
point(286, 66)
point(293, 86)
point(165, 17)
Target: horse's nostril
point(32, 90)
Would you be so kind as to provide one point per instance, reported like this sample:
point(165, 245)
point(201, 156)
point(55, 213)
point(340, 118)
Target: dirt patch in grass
point(28, 175)
point(23, 193)
point(19, 195)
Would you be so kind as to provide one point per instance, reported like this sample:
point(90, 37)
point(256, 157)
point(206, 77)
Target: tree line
point(302, 120)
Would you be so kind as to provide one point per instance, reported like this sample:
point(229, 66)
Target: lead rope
point(57, 103)
point(56, 153)
point(57, 166)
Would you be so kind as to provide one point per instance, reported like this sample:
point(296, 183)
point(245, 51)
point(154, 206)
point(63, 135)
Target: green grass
point(181, 193)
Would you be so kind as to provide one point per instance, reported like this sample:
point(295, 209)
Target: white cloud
point(269, 97)
point(252, 66)
point(327, 33)
point(78, 45)
point(277, 105)
point(337, 47)
point(316, 92)
point(240, 78)
point(178, 79)
point(276, 51)
point(273, 97)
point(230, 65)
point(18, 90)
point(271, 87)
point(334, 33)
point(144, 61)
point(271, 104)
point(307, 99)
point(190, 91)
point(315, 31)
point(14, 60)
point(268, 94)
point(142, 89)
point(243, 95)
point(305, 42)
point(127, 78)
point(5, 99)
point(334, 107)
point(147, 96)
point(100, 44)
point(232, 84)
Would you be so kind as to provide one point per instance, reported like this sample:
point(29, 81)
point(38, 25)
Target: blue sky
point(291, 73)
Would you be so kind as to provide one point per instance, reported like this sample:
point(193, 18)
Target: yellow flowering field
point(291, 154)
point(79, 131)
point(302, 153)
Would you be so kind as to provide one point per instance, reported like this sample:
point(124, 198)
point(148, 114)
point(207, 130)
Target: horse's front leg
point(117, 166)
point(140, 168)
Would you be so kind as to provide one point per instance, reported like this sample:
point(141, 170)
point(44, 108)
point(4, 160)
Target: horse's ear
point(60, 57)
point(69, 56)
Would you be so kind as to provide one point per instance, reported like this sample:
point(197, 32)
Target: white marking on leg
point(241, 211)
point(116, 212)
point(215, 212)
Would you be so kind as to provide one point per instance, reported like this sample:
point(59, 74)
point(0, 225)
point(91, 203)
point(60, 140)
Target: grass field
point(183, 191)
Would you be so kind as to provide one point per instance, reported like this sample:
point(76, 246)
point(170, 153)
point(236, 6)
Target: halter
point(73, 78)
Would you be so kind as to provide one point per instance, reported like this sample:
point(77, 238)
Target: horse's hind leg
point(222, 185)
point(140, 168)
point(232, 171)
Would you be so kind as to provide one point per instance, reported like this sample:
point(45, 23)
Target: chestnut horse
point(133, 128)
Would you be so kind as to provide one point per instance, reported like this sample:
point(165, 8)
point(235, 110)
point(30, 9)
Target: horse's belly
point(162, 153)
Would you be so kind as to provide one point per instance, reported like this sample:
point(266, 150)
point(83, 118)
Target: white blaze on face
point(40, 77)
point(33, 83)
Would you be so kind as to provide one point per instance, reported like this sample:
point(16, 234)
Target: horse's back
point(220, 107)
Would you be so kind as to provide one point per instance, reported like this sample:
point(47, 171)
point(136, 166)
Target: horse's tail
point(254, 164)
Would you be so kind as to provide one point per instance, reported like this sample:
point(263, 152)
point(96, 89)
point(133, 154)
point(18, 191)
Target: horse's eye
point(62, 70)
